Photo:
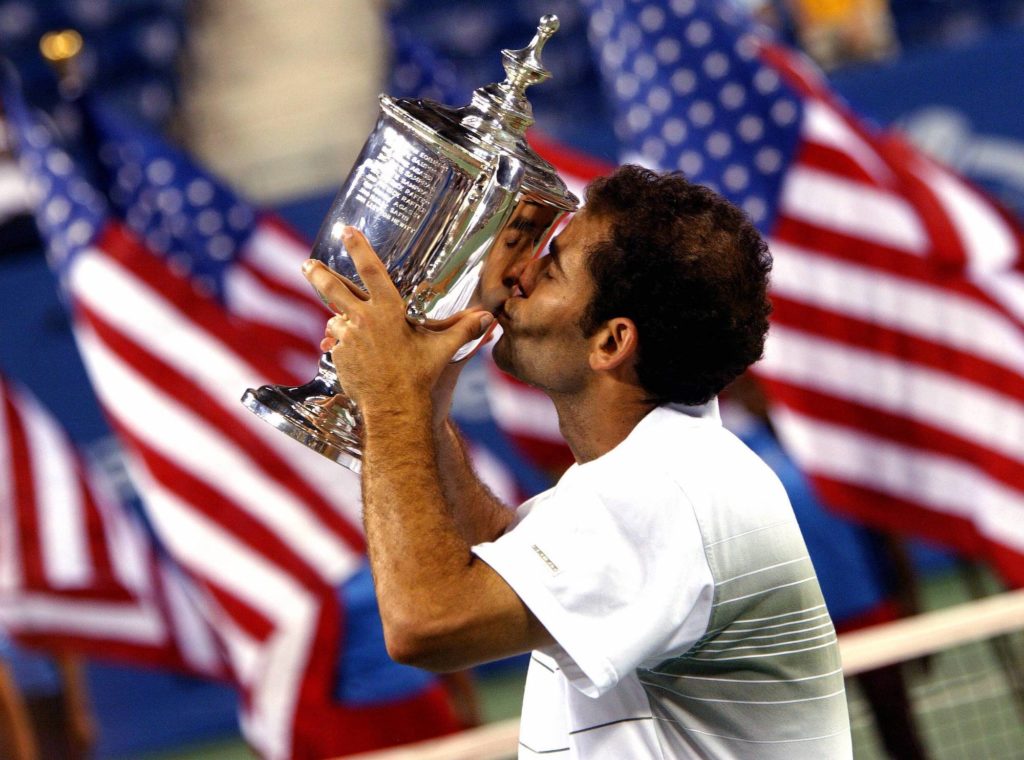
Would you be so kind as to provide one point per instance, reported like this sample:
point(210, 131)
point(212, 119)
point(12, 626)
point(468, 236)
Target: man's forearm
point(442, 607)
point(416, 546)
point(479, 514)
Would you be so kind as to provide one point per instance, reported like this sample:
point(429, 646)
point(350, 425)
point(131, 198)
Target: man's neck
point(596, 421)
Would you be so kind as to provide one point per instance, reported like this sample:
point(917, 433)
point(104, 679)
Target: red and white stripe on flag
point(266, 529)
point(896, 354)
point(77, 570)
point(265, 287)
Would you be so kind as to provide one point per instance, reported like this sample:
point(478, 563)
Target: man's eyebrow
point(523, 224)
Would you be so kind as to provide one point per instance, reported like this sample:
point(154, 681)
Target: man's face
point(542, 342)
point(512, 252)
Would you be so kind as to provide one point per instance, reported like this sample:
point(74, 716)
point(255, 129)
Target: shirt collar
point(708, 411)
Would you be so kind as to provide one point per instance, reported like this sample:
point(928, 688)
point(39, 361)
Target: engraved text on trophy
point(398, 185)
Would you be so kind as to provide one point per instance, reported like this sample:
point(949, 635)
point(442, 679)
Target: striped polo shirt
point(687, 615)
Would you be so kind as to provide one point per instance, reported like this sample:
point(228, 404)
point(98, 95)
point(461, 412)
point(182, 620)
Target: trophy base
point(315, 418)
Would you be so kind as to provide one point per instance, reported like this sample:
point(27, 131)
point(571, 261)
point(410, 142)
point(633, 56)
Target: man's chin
point(502, 354)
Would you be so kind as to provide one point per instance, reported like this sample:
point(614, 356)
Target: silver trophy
point(453, 200)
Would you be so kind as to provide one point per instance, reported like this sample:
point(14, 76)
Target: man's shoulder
point(687, 450)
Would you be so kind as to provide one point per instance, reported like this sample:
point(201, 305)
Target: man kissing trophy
point(452, 200)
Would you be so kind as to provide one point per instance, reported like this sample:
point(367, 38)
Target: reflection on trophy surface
point(454, 201)
point(522, 238)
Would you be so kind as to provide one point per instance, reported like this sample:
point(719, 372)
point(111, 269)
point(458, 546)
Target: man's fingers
point(440, 325)
point(354, 289)
point(337, 291)
point(469, 326)
point(371, 269)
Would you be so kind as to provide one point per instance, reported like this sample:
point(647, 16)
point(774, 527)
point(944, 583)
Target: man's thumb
point(470, 327)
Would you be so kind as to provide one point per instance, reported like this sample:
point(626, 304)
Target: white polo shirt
point(688, 620)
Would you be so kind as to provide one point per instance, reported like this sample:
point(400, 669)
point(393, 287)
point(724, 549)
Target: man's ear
point(614, 345)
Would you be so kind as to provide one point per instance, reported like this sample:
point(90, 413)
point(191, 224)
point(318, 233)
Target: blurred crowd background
point(275, 100)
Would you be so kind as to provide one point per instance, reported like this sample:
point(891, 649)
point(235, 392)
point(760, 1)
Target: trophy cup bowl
point(453, 200)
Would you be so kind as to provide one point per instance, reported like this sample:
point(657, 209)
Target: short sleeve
point(616, 572)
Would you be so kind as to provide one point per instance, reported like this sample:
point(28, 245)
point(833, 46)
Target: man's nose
point(516, 271)
point(528, 276)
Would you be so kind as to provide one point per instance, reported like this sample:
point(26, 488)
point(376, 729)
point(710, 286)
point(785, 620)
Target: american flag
point(77, 570)
point(183, 295)
point(896, 355)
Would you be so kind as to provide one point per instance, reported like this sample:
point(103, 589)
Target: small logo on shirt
point(547, 560)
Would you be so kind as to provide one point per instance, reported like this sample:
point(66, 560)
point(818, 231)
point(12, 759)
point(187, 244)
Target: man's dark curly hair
point(690, 270)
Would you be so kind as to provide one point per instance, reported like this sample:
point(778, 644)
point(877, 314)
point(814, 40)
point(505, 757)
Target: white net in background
point(963, 701)
point(963, 669)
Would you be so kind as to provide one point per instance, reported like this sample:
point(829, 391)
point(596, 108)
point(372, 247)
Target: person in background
point(844, 31)
point(16, 737)
point(44, 706)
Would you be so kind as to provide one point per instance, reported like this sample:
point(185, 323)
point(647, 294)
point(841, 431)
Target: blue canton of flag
point(417, 71)
point(691, 94)
point(131, 53)
point(181, 212)
point(70, 212)
point(246, 260)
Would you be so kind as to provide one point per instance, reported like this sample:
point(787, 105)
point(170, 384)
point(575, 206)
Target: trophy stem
point(314, 414)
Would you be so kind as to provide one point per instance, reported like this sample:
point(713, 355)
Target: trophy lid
point(497, 117)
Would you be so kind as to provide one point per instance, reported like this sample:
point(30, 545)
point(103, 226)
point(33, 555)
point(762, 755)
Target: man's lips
point(503, 312)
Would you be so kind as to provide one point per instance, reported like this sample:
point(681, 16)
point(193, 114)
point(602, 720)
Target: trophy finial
point(523, 67)
point(501, 112)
